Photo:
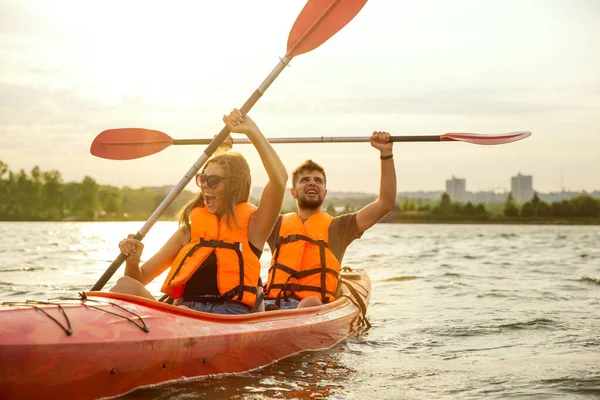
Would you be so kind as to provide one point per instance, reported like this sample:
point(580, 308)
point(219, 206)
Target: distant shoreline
point(494, 221)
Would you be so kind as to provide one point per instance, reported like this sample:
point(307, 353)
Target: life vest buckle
point(210, 243)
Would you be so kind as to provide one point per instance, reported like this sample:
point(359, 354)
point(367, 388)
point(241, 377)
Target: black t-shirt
point(204, 280)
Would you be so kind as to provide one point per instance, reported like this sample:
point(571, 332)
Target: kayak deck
point(108, 344)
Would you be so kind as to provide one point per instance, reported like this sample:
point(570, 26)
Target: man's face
point(309, 191)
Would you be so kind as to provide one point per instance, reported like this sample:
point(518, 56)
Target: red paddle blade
point(318, 21)
point(477, 138)
point(129, 143)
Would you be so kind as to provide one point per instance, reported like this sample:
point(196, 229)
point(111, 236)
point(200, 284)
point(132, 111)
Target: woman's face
point(213, 194)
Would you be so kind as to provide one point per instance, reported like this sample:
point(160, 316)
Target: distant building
point(457, 189)
point(521, 187)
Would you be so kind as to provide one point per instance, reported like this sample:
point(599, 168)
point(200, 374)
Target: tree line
point(583, 206)
point(44, 196)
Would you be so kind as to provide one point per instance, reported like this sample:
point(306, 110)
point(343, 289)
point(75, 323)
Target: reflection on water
point(458, 311)
point(312, 375)
point(72, 255)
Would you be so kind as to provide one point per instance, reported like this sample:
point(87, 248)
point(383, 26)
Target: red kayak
point(107, 344)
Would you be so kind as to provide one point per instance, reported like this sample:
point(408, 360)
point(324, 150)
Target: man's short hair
point(310, 166)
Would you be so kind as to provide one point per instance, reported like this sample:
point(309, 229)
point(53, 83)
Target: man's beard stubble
point(309, 204)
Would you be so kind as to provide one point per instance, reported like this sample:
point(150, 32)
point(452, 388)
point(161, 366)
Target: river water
point(458, 311)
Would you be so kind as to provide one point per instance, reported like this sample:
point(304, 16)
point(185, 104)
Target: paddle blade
point(318, 21)
point(129, 143)
point(476, 138)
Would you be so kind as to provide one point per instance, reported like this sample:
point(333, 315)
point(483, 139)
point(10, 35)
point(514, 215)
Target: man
point(308, 246)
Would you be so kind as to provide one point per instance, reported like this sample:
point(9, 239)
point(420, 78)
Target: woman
point(214, 255)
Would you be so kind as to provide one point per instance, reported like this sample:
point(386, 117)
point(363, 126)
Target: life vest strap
point(314, 271)
point(291, 288)
point(297, 237)
point(219, 243)
point(284, 268)
point(323, 274)
point(209, 243)
point(189, 253)
point(235, 246)
point(236, 291)
point(303, 274)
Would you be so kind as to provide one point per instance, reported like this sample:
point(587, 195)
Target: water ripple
point(587, 279)
point(400, 278)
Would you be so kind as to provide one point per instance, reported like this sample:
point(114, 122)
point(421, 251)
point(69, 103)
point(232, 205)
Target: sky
point(71, 69)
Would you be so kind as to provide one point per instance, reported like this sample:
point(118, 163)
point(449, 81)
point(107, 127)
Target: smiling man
point(308, 246)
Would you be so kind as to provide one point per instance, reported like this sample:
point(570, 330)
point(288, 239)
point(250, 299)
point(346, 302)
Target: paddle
point(318, 21)
point(131, 143)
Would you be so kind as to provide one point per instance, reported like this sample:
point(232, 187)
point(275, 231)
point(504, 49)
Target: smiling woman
point(214, 255)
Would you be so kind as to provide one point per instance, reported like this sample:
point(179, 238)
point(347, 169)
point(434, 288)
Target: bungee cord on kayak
point(83, 300)
point(35, 305)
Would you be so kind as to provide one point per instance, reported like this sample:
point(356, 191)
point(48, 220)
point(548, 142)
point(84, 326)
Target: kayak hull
point(110, 353)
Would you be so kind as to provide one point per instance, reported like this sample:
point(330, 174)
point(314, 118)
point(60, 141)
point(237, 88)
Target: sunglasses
point(212, 181)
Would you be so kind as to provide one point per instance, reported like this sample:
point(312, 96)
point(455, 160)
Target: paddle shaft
point(319, 139)
point(213, 145)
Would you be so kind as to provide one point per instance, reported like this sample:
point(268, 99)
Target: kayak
point(108, 344)
point(104, 344)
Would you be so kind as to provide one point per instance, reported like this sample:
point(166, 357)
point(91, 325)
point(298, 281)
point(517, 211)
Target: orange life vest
point(238, 268)
point(302, 264)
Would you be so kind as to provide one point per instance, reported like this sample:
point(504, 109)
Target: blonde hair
point(237, 187)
